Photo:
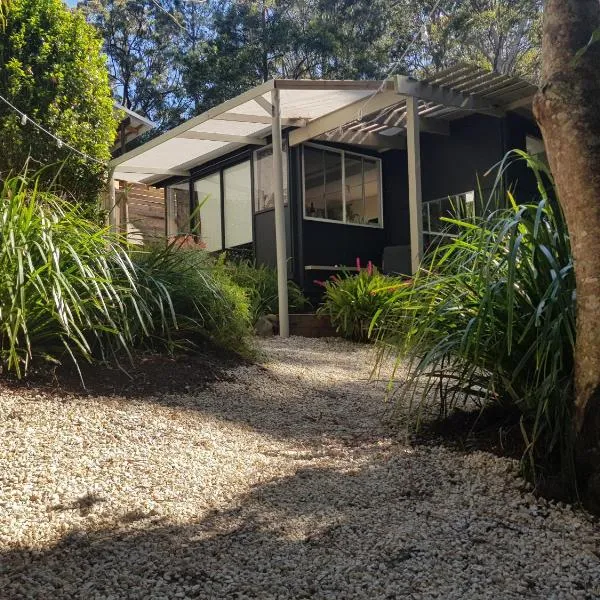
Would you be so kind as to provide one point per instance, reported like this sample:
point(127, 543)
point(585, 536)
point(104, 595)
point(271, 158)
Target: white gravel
point(283, 483)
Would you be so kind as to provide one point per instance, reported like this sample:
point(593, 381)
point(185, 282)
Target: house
point(366, 168)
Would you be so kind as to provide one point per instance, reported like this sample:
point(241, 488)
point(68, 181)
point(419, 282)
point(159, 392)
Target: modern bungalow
point(366, 168)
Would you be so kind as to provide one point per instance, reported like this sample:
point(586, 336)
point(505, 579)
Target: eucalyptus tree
point(567, 108)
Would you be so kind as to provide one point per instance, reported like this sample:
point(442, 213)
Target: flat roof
point(369, 112)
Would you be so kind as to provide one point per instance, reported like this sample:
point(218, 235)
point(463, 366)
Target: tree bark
point(567, 108)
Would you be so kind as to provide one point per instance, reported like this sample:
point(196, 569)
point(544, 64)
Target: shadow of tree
point(409, 525)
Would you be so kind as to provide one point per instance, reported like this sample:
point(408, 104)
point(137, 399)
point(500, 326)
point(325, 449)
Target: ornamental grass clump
point(353, 302)
point(490, 316)
point(67, 286)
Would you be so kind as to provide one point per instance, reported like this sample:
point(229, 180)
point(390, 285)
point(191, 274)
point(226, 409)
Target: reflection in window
point(208, 198)
point(178, 209)
point(237, 189)
point(341, 186)
point(263, 178)
point(323, 184)
point(459, 207)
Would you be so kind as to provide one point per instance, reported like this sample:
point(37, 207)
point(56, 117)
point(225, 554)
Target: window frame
point(469, 198)
point(343, 153)
point(286, 171)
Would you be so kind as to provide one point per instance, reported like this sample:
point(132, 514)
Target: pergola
point(378, 114)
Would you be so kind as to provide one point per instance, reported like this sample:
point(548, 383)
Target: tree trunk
point(567, 108)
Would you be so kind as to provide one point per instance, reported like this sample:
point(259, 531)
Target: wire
point(60, 143)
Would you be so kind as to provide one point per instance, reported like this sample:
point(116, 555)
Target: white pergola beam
point(222, 137)
point(410, 87)
point(152, 171)
point(280, 234)
point(205, 116)
point(340, 117)
point(264, 104)
point(365, 138)
point(243, 118)
point(415, 199)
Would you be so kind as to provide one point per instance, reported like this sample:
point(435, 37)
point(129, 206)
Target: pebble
point(285, 482)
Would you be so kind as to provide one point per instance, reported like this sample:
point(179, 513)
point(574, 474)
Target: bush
point(353, 303)
point(206, 302)
point(52, 68)
point(260, 284)
point(67, 287)
point(492, 315)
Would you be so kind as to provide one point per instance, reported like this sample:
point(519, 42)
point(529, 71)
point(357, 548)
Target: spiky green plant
point(67, 286)
point(206, 302)
point(353, 301)
point(491, 315)
point(260, 284)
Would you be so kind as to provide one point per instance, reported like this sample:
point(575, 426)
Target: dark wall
point(396, 219)
point(457, 163)
point(518, 176)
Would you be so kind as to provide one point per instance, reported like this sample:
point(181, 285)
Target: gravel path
point(282, 483)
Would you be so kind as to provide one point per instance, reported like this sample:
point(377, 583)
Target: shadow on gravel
point(408, 526)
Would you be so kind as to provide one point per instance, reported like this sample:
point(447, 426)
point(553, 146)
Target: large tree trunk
point(567, 108)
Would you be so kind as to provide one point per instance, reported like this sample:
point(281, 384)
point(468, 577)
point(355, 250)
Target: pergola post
point(415, 200)
point(280, 238)
point(111, 207)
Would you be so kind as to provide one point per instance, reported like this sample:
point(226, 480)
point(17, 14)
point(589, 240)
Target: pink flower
point(358, 262)
point(319, 282)
point(370, 268)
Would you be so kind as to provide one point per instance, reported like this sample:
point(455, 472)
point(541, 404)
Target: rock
point(266, 325)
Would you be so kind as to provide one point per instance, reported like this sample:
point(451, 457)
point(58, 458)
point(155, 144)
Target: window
point(263, 178)
point(535, 146)
point(208, 198)
point(341, 186)
point(461, 206)
point(178, 209)
point(237, 205)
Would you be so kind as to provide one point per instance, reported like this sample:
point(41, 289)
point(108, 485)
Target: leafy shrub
point(492, 315)
point(353, 302)
point(260, 284)
point(52, 68)
point(206, 302)
point(67, 287)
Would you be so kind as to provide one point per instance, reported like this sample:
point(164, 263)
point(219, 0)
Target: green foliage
point(259, 282)
point(51, 68)
point(354, 302)
point(491, 315)
point(206, 302)
point(67, 287)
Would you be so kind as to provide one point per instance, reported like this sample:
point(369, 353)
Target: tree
point(567, 108)
point(51, 68)
point(502, 35)
point(143, 42)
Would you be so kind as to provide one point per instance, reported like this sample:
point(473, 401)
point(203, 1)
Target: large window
point(341, 186)
point(208, 198)
point(237, 205)
point(264, 198)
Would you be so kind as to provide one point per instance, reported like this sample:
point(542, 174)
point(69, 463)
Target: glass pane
point(314, 179)
point(208, 197)
point(355, 205)
point(237, 188)
point(178, 209)
point(372, 191)
point(332, 164)
point(263, 178)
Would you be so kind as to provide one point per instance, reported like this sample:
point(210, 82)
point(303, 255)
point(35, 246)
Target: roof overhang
point(369, 113)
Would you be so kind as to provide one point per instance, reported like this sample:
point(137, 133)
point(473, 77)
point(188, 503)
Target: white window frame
point(343, 154)
point(286, 167)
point(469, 199)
